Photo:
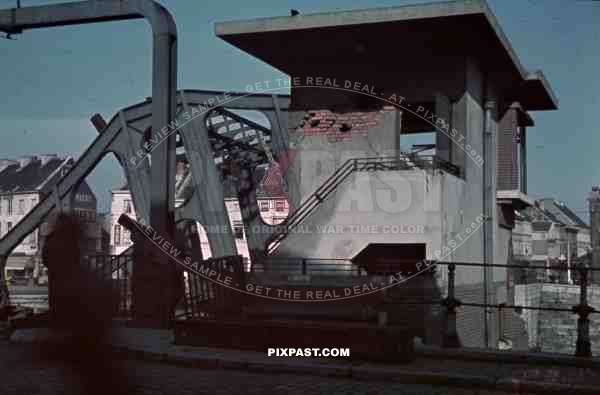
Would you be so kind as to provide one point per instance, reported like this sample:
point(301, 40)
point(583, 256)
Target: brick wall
point(337, 125)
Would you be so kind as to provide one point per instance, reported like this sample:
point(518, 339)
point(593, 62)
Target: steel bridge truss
point(210, 143)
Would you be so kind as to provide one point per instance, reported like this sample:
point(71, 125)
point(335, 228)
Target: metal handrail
point(451, 303)
point(381, 163)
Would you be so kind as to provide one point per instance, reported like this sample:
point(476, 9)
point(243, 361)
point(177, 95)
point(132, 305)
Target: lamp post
point(562, 260)
point(583, 310)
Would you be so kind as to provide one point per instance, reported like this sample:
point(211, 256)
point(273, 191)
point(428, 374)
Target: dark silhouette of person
point(81, 304)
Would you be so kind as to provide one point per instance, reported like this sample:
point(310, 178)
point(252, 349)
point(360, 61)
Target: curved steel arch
point(164, 86)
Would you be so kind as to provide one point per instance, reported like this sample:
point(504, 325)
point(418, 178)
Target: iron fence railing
point(344, 267)
point(205, 299)
point(116, 270)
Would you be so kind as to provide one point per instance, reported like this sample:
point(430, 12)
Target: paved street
point(26, 370)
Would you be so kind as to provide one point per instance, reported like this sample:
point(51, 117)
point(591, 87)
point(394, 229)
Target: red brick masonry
point(339, 126)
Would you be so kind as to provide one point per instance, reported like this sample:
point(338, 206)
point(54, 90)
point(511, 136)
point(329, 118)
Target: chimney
point(45, 158)
point(25, 160)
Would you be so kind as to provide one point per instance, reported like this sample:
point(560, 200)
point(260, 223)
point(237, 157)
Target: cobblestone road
point(25, 370)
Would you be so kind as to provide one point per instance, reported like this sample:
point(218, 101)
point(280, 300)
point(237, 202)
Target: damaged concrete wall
point(323, 140)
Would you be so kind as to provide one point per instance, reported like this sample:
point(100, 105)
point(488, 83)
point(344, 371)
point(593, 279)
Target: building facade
point(550, 234)
point(23, 184)
point(476, 100)
point(273, 211)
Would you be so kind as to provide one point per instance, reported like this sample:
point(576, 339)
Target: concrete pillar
point(468, 119)
point(280, 139)
point(443, 142)
point(459, 122)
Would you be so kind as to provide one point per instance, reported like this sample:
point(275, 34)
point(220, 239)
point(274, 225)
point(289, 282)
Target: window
point(238, 231)
point(9, 206)
point(21, 206)
point(8, 226)
point(127, 206)
point(264, 205)
point(32, 239)
point(33, 202)
point(540, 247)
point(83, 197)
point(117, 237)
point(126, 237)
point(280, 205)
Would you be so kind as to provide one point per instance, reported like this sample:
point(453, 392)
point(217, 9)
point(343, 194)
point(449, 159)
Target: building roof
point(289, 43)
point(548, 211)
point(559, 212)
point(184, 186)
point(30, 174)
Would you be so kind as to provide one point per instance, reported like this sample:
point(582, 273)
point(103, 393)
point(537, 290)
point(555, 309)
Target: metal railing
point(117, 270)
point(206, 299)
point(344, 267)
point(383, 163)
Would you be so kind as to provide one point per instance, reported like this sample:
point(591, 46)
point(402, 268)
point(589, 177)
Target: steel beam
point(164, 86)
point(164, 75)
point(206, 176)
point(138, 176)
point(115, 138)
point(86, 163)
point(237, 100)
point(124, 147)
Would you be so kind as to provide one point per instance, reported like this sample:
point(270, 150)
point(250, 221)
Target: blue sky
point(53, 80)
